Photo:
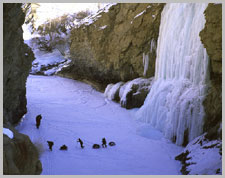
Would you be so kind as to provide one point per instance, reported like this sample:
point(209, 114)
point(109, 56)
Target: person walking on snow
point(38, 120)
point(81, 143)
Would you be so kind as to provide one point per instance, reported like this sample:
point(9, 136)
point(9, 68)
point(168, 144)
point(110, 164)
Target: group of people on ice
point(64, 147)
point(95, 146)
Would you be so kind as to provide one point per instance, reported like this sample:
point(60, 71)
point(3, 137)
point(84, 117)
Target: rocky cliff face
point(211, 37)
point(19, 153)
point(111, 49)
point(17, 62)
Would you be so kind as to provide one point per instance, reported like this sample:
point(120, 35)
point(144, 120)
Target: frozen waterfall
point(174, 104)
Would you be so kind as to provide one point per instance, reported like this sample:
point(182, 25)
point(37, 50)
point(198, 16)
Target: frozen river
point(72, 110)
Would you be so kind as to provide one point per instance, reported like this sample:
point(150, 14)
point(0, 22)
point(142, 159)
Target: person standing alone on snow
point(50, 144)
point(38, 121)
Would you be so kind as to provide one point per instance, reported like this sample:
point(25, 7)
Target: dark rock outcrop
point(131, 94)
point(19, 154)
point(17, 63)
point(111, 49)
point(211, 37)
point(134, 93)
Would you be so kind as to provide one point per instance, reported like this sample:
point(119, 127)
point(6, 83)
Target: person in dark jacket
point(81, 142)
point(104, 143)
point(50, 144)
point(38, 120)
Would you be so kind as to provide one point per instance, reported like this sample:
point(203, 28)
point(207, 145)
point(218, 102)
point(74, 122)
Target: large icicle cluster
point(174, 104)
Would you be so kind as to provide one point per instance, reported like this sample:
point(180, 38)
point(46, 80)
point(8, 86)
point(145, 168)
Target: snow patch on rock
point(93, 17)
point(102, 27)
point(140, 14)
point(8, 132)
point(130, 94)
point(202, 157)
point(112, 89)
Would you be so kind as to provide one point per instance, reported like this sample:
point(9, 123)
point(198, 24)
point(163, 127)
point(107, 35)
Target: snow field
point(72, 110)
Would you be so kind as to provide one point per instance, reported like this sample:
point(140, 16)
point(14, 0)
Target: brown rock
point(211, 37)
point(20, 156)
point(115, 53)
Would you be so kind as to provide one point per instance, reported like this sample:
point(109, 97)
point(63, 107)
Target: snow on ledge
point(140, 14)
point(8, 132)
point(102, 27)
point(94, 17)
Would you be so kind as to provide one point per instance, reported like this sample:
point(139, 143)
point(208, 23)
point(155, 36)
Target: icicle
point(145, 63)
point(111, 90)
point(174, 103)
point(107, 90)
point(152, 46)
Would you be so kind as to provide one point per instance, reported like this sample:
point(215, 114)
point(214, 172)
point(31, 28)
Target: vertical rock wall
point(211, 37)
point(16, 64)
point(111, 48)
point(20, 156)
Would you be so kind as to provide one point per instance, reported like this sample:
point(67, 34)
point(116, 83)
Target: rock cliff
point(17, 63)
point(211, 37)
point(114, 47)
point(20, 155)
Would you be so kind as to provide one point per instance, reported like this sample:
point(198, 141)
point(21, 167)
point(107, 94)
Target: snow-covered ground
point(72, 110)
point(47, 63)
